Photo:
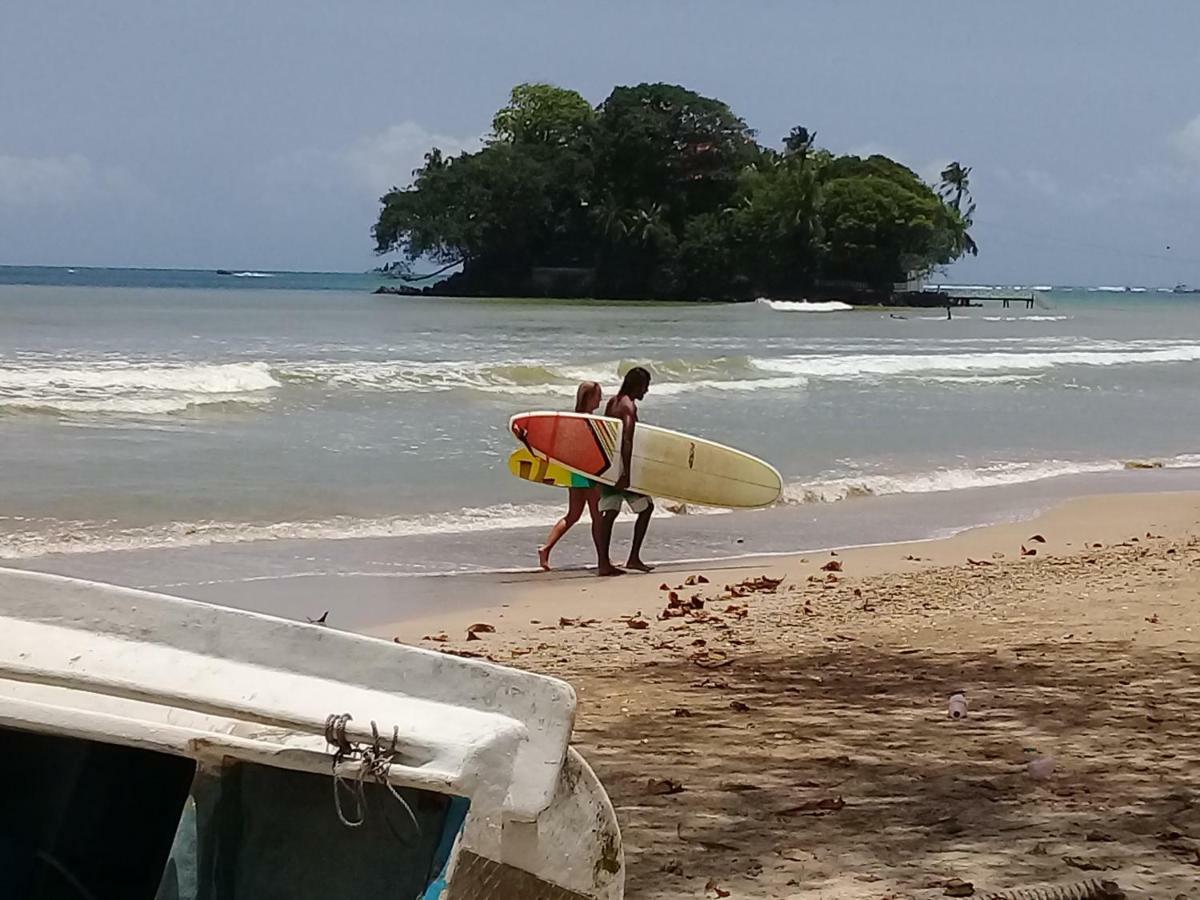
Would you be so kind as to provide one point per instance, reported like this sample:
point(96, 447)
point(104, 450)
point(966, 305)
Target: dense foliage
point(660, 192)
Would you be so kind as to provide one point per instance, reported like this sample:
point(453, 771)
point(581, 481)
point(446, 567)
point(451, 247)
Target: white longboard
point(663, 463)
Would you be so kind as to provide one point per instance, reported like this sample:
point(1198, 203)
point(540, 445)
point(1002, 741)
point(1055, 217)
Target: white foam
point(1019, 318)
point(995, 475)
point(252, 275)
point(131, 388)
point(859, 365)
point(804, 306)
point(75, 537)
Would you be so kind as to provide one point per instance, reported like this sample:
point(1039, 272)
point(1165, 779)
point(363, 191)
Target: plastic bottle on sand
point(957, 707)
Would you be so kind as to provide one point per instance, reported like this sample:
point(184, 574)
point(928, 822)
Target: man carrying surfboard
point(624, 407)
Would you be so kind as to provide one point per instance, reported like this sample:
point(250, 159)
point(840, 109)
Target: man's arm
point(625, 413)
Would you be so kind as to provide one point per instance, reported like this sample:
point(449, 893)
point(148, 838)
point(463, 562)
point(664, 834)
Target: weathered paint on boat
point(130, 668)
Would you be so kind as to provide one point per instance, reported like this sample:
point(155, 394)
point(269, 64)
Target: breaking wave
point(98, 537)
point(835, 489)
point(131, 388)
point(804, 306)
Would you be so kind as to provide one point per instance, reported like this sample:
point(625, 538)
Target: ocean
point(283, 415)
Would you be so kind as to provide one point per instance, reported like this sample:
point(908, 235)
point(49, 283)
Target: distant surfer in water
point(587, 400)
point(624, 407)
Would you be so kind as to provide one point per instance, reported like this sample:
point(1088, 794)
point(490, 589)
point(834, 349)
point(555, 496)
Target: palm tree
point(649, 225)
point(956, 184)
point(954, 188)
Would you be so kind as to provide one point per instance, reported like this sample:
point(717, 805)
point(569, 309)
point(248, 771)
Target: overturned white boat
point(166, 749)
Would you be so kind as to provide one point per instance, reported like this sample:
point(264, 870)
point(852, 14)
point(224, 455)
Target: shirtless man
point(624, 407)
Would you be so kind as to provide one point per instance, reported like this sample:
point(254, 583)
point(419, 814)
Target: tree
point(540, 113)
point(799, 142)
point(661, 143)
point(956, 184)
point(878, 231)
point(665, 193)
point(954, 188)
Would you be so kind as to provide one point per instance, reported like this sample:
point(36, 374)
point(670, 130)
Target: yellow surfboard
point(525, 465)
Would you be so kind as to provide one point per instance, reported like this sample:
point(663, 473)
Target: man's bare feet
point(544, 558)
point(639, 565)
point(608, 570)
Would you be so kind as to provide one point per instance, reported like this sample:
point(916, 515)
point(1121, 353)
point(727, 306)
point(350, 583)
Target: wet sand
point(792, 740)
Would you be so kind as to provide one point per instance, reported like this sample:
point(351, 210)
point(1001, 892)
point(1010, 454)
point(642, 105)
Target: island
point(661, 193)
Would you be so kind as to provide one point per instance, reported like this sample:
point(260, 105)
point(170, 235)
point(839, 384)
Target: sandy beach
point(779, 728)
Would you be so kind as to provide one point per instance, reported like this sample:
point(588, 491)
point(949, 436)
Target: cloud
point(381, 161)
point(1186, 143)
point(38, 181)
point(30, 182)
point(370, 165)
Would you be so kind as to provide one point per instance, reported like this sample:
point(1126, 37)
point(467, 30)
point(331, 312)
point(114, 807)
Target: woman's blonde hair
point(581, 396)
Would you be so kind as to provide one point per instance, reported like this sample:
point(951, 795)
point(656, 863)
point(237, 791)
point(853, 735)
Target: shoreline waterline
point(374, 581)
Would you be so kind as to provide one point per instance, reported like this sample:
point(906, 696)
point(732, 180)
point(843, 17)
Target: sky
point(261, 133)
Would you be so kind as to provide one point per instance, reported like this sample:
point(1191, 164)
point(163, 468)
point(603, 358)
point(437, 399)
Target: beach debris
point(664, 587)
point(663, 786)
point(320, 620)
point(957, 706)
point(1094, 864)
point(472, 636)
point(833, 565)
point(564, 622)
point(693, 580)
point(673, 867)
point(739, 706)
point(956, 887)
point(1037, 539)
point(1152, 619)
point(1097, 545)
point(715, 888)
point(709, 658)
point(998, 555)
point(979, 562)
point(1084, 890)
point(480, 628)
point(1100, 837)
point(439, 638)
point(822, 807)
point(1030, 551)
point(840, 637)
point(636, 622)
point(681, 712)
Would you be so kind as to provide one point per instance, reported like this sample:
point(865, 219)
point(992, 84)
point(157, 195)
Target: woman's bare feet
point(639, 565)
point(544, 558)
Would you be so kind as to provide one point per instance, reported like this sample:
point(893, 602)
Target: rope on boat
point(375, 761)
point(1084, 890)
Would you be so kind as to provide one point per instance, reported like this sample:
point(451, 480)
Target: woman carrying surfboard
point(587, 400)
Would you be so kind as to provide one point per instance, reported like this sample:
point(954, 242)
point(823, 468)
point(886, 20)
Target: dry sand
point(794, 741)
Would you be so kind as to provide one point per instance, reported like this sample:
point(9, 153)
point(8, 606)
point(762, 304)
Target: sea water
point(143, 409)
